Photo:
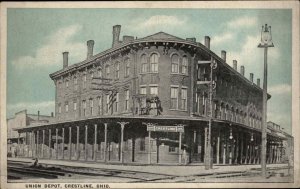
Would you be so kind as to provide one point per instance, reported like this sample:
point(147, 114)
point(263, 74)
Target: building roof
point(161, 35)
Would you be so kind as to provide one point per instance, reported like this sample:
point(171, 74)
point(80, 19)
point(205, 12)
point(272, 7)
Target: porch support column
point(179, 148)
point(37, 143)
point(242, 149)
point(70, 143)
point(85, 144)
point(49, 144)
point(246, 158)
point(32, 143)
point(95, 143)
point(149, 147)
point(56, 142)
point(63, 143)
point(122, 140)
point(237, 146)
point(105, 142)
point(205, 139)
point(218, 147)
point(224, 149)
point(77, 143)
point(43, 143)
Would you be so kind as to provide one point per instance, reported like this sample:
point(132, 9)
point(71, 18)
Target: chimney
point(65, 59)
point(258, 82)
point(127, 38)
point(116, 34)
point(234, 64)
point(243, 70)
point(251, 77)
point(38, 115)
point(90, 47)
point(223, 55)
point(193, 39)
point(207, 41)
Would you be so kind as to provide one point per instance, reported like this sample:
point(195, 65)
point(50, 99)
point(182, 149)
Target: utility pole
point(212, 85)
point(266, 41)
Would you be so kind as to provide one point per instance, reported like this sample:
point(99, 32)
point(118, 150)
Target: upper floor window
point(75, 105)
point(84, 81)
point(107, 71)
point(184, 98)
point(84, 107)
point(184, 65)
point(174, 97)
point(154, 63)
point(143, 90)
point(127, 67)
point(99, 100)
point(144, 64)
point(67, 107)
point(99, 73)
point(117, 70)
point(92, 106)
point(175, 63)
point(154, 90)
point(59, 108)
point(117, 102)
point(75, 83)
point(107, 103)
point(67, 83)
point(126, 99)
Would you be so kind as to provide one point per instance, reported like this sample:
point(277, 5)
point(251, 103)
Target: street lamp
point(266, 41)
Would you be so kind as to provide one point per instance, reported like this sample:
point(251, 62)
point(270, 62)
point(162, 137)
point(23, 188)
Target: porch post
point(70, 143)
point(149, 147)
point(242, 149)
point(85, 144)
point(179, 148)
point(218, 147)
point(56, 142)
point(37, 143)
point(205, 139)
point(43, 143)
point(95, 143)
point(77, 143)
point(122, 140)
point(63, 143)
point(49, 143)
point(105, 142)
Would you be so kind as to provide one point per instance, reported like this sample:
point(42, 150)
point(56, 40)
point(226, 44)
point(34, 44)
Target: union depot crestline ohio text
point(147, 101)
point(73, 186)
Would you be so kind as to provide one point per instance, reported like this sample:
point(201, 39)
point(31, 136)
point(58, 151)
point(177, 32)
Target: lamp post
point(266, 41)
point(212, 85)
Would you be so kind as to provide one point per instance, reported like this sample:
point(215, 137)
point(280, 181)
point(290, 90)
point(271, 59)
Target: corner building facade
point(147, 101)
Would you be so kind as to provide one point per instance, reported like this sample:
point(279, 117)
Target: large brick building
point(147, 100)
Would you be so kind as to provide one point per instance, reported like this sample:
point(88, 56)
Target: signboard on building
point(165, 128)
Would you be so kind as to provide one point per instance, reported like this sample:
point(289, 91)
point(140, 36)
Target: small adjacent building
point(22, 119)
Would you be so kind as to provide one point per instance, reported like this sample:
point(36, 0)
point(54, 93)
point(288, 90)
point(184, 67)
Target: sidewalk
point(172, 170)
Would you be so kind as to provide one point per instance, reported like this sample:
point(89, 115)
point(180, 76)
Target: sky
point(37, 37)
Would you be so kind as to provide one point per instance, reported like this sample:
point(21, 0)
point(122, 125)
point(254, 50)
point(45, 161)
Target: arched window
point(75, 83)
point(175, 63)
point(184, 65)
point(144, 64)
point(84, 81)
point(127, 67)
point(154, 63)
point(107, 71)
point(117, 70)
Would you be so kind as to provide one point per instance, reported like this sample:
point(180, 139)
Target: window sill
point(179, 74)
point(178, 110)
point(143, 73)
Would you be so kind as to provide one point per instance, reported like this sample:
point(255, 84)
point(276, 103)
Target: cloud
point(45, 107)
point(158, 22)
point(243, 22)
point(251, 56)
point(51, 52)
point(280, 89)
point(223, 38)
